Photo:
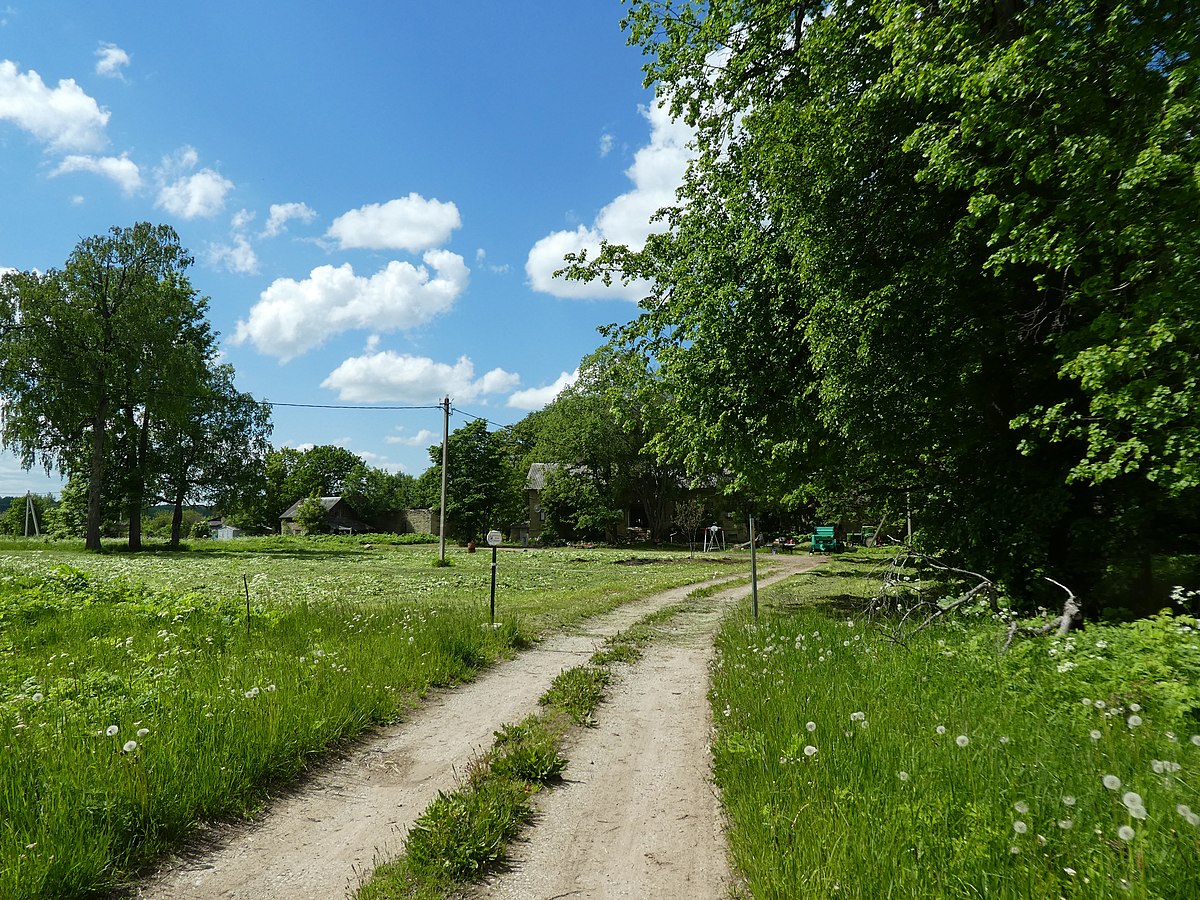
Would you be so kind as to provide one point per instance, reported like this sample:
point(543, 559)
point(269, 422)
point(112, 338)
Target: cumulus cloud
point(63, 117)
point(188, 194)
point(282, 213)
point(292, 316)
point(408, 223)
point(421, 439)
point(120, 169)
point(656, 173)
point(390, 377)
point(110, 60)
point(536, 398)
point(237, 257)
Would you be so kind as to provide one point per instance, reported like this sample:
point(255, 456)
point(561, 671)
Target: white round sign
point(494, 538)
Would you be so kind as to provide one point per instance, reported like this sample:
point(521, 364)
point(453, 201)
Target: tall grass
point(138, 698)
point(852, 766)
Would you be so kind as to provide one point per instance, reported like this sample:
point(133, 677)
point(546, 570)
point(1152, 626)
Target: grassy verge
point(464, 835)
point(851, 766)
point(147, 693)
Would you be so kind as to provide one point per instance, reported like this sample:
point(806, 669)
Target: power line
point(275, 403)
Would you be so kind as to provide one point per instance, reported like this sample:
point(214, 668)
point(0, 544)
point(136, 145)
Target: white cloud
point(400, 378)
point(241, 219)
point(64, 117)
point(656, 173)
point(421, 439)
point(237, 257)
point(409, 223)
point(282, 213)
point(120, 169)
point(292, 316)
point(536, 398)
point(606, 144)
point(199, 195)
point(110, 59)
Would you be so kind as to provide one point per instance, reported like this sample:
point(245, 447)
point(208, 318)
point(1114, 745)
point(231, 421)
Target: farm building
point(340, 518)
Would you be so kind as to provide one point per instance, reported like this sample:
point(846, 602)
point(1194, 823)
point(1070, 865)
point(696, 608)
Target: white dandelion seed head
point(1095, 734)
point(903, 776)
point(1086, 701)
point(962, 740)
point(1068, 800)
point(1099, 704)
point(1004, 739)
point(142, 732)
point(1021, 806)
point(810, 750)
point(1134, 721)
point(1065, 824)
point(1020, 827)
point(1126, 833)
point(941, 729)
point(1112, 782)
point(130, 746)
point(37, 697)
point(1196, 739)
point(1135, 707)
point(811, 726)
point(857, 716)
point(1131, 799)
point(111, 730)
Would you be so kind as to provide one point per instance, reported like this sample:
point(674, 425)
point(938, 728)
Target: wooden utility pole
point(445, 456)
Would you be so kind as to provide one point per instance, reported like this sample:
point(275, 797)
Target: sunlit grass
point(852, 766)
point(138, 697)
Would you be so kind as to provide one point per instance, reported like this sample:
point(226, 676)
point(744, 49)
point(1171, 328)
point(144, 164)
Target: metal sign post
point(753, 571)
point(493, 538)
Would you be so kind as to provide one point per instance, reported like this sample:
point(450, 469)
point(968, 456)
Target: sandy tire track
point(638, 815)
point(317, 841)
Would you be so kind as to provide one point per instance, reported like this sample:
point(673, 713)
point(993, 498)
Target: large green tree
point(944, 250)
point(94, 356)
point(216, 452)
point(483, 489)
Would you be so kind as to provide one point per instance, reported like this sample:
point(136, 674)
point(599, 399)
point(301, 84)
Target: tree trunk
point(137, 476)
point(96, 482)
point(177, 513)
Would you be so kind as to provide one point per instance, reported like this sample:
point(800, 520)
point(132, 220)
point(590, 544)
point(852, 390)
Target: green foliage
point(463, 833)
point(854, 765)
point(527, 751)
point(310, 515)
point(575, 508)
point(577, 692)
point(921, 255)
point(483, 489)
point(149, 414)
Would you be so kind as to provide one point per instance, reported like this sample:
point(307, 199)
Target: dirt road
point(637, 818)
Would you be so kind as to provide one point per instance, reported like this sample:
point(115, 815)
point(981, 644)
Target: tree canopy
point(943, 250)
point(97, 355)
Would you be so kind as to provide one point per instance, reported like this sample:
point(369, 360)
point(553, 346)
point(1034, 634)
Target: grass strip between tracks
point(464, 834)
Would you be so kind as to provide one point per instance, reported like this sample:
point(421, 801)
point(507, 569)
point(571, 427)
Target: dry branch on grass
point(984, 587)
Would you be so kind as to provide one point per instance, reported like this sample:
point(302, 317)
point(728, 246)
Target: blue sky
point(375, 193)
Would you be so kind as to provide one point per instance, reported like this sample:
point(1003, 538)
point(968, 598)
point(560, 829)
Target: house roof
point(536, 479)
point(328, 502)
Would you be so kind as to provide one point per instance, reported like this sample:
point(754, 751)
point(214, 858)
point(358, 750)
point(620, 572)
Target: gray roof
point(536, 479)
point(328, 502)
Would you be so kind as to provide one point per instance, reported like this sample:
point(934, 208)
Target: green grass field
point(138, 698)
point(854, 766)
